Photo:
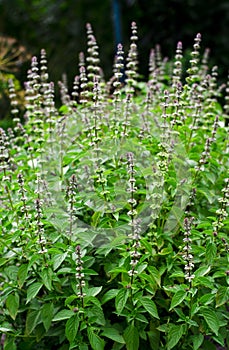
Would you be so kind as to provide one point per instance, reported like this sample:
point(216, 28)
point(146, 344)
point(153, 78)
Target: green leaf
point(195, 308)
point(177, 299)
point(46, 276)
point(22, 274)
point(95, 315)
point(71, 328)
point(92, 292)
point(58, 259)
point(197, 340)
point(211, 251)
point(121, 299)
point(174, 335)
point(147, 245)
point(205, 281)
point(150, 306)
point(202, 271)
point(155, 274)
point(131, 337)
point(70, 299)
point(206, 299)
point(165, 251)
point(6, 327)
point(32, 320)
point(88, 301)
point(63, 315)
point(211, 319)
point(154, 336)
point(113, 333)
point(12, 272)
point(33, 290)
point(12, 304)
point(95, 341)
point(9, 344)
point(34, 260)
point(82, 347)
point(47, 315)
point(111, 294)
point(222, 296)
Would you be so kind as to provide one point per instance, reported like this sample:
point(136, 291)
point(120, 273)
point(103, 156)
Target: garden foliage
point(114, 228)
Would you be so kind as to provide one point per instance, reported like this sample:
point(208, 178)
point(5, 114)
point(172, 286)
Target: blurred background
point(59, 27)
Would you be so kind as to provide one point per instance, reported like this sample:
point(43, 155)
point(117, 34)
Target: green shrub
point(114, 208)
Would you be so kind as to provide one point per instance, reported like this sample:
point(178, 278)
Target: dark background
point(59, 27)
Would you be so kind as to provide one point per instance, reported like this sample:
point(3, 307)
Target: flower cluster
point(38, 219)
point(134, 223)
point(71, 202)
point(93, 67)
point(156, 194)
point(13, 101)
point(79, 274)
point(207, 147)
point(132, 60)
point(131, 189)
point(193, 70)
point(187, 256)
point(4, 153)
point(117, 84)
point(177, 71)
point(135, 246)
point(22, 191)
point(222, 212)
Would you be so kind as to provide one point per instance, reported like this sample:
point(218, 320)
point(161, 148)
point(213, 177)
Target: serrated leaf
point(71, 328)
point(33, 290)
point(32, 320)
point(47, 315)
point(95, 341)
point(131, 337)
point(211, 319)
point(58, 259)
point(121, 299)
point(222, 296)
point(63, 315)
point(113, 333)
point(197, 340)
point(177, 299)
point(174, 335)
point(111, 294)
point(150, 306)
point(12, 304)
point(22, 274)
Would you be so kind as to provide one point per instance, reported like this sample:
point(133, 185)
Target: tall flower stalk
point(80, 275)
point(187, 255)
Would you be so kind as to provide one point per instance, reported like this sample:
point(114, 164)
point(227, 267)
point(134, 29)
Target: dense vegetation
point(114, 228)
